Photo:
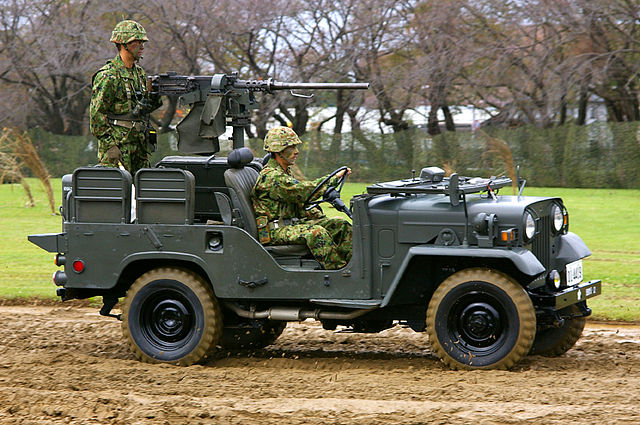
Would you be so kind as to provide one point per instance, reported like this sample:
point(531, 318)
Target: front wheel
point(170, 315)
point(480, 319)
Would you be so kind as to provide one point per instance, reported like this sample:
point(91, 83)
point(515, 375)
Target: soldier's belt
point(136, 125)
point(276, 224)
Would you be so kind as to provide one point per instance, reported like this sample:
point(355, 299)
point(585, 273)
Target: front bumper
point(567, 296)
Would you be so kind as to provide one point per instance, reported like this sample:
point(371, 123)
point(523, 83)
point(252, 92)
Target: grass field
point(606, 219)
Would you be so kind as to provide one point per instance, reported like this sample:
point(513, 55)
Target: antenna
point(524, 182)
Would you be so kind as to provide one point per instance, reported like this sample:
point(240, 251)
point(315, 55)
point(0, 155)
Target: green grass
point(26, 269)
point(606, 219)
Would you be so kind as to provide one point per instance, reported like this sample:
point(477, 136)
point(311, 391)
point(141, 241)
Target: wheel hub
point(170, 320)
point(480, 324)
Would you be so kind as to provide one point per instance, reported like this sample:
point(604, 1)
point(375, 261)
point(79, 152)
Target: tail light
point(59, 278)
point(60, 260)
point(78, 266)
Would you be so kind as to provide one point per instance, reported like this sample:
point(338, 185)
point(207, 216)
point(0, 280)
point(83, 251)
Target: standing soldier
point(278, 202)
point(121, 103)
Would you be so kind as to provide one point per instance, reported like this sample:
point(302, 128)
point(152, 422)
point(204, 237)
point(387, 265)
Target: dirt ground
point(62, 364)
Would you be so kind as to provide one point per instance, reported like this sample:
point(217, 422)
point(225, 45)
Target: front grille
point(541, 246)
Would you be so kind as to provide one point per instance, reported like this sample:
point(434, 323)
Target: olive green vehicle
point(489, 278)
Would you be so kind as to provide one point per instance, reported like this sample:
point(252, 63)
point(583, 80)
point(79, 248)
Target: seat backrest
point(165, 195)
point(240, 180)
point(100, 195)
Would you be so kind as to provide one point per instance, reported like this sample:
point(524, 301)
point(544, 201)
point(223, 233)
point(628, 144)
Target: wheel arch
point(425, 267)
point(136, 265)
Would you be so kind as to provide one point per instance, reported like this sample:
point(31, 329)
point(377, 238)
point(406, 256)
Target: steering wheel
point(330, 195)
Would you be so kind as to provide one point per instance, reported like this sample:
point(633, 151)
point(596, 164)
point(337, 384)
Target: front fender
point(571, 248)
point(522, 259)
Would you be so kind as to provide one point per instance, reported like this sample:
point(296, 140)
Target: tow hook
point(586, 311)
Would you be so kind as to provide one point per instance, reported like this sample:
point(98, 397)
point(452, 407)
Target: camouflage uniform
point(113, 96)
point(277, 195)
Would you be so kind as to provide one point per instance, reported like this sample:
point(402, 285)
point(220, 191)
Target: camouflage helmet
point(280, 138)
point(127, 31)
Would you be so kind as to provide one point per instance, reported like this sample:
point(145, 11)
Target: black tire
point(170, 315)
point(255, 334)
point(480, 319)
point(553, 342)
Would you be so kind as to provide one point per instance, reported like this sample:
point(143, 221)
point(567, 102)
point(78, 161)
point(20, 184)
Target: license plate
point(574, 273)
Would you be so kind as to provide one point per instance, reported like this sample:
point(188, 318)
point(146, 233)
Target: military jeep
point(490, 278)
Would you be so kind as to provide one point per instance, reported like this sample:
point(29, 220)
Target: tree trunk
point(433, 127)
point(336, 140)
point(448, 118)
point(583, 103)
point(563, 112)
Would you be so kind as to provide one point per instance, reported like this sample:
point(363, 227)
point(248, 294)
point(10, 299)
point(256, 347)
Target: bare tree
point(606, 58)
point(47, 49)
point(441, 53)
point(519, 53)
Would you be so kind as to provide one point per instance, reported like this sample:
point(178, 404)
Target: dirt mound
point(64, 364)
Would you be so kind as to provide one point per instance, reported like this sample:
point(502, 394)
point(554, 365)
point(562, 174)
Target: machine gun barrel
point(171, 83)
point(271, 85)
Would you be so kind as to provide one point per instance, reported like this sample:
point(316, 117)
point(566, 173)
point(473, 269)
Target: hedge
point(597, 155)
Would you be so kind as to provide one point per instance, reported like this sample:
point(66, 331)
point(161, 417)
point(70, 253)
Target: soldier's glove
point(114, 154)
point(154, 97)
point(141, 108)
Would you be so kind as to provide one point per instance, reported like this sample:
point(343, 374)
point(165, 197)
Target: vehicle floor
point(62, 364)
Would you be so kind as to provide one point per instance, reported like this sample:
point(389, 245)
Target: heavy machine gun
point(219, 101)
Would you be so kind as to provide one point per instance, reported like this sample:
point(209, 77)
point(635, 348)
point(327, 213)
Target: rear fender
point(136, 264)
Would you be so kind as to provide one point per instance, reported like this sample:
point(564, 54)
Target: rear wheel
point(553, 342)
point(170, 315)
point(480, 319)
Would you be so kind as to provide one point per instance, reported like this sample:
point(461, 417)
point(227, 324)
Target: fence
point(597, 155)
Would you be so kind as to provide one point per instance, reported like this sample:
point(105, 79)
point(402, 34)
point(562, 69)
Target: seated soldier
point(278, 199)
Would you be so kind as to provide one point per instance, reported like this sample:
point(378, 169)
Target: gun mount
point(221, 100)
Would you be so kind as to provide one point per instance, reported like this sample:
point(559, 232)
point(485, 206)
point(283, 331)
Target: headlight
point(529, 226)
point(554, 279)
point(557, 217)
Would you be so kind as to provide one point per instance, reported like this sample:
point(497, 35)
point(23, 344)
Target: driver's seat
point(240, 181)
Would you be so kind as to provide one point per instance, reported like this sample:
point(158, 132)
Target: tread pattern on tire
point(212, 312)
point(565, 342)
